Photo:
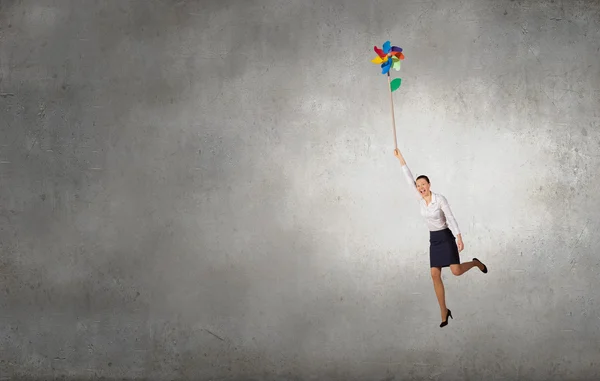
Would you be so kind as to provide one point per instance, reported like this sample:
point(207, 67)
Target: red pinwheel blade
point(379, 52)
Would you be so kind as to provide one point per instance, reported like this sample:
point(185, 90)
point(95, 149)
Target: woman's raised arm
point(407, 173)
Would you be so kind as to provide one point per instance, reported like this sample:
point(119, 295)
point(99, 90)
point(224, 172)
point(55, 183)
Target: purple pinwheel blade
point(386, 47)
point(396, 49)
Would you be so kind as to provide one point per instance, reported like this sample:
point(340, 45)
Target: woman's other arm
point(452, 224)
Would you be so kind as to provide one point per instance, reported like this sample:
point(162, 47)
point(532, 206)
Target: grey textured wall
point(207, 190)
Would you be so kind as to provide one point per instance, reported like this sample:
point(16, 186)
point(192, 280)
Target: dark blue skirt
point(443, 251)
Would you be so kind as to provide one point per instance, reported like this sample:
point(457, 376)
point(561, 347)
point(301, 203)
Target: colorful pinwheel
point(389, 57)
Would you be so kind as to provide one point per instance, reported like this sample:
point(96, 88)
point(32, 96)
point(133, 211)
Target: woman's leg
point(438, 285)
point(463, 267)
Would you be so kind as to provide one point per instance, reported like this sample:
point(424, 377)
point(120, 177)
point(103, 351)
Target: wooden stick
point(392, 103)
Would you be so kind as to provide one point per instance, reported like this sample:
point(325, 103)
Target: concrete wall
point(207, 190)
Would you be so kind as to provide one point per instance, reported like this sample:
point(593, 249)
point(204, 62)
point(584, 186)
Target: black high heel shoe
point(484, 266)
point(445, 322)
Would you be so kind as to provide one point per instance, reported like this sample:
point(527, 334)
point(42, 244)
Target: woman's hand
point(460, 244)
point(399, 156)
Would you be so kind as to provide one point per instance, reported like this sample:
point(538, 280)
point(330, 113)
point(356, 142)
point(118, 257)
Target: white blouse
point(437, 214)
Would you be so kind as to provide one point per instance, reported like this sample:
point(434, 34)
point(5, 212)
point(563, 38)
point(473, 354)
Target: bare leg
point(464, 267)
point(438, 285)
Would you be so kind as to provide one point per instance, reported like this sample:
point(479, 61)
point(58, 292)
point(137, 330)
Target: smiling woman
point(443, 249)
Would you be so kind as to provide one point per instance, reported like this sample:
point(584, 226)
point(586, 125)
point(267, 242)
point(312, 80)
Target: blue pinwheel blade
point(386, 47)
point(385, 67)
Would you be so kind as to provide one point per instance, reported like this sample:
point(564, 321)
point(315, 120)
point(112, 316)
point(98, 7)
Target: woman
point(443, 249)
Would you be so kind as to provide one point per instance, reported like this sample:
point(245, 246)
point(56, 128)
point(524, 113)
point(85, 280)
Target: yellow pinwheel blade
point(378, 60)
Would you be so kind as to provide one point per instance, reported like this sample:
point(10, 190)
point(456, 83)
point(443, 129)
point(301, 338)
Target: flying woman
point(443, 245)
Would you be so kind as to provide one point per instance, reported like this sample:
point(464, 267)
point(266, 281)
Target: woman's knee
point(455, 270)
point(436, 273)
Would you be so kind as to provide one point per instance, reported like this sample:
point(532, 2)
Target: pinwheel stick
point(393, 117)
point(389, 57)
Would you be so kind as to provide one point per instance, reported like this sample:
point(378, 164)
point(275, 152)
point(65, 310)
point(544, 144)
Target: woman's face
point(423, 187)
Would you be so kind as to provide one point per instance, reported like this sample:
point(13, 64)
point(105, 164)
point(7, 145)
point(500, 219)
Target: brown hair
point(423, 177)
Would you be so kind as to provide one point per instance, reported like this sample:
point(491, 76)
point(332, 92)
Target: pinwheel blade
point(379, 52)
point(396, 49)
point(386, 47)
point(377, 60)
point(385, 67)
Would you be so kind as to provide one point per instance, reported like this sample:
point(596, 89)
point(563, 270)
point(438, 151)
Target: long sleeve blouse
point(437, 214)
